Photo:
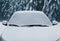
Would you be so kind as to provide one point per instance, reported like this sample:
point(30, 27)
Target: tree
point(51, 8)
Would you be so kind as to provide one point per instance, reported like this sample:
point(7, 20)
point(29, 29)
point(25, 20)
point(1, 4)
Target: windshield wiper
point(34, 25)
point(26, 25)
point(13, 25)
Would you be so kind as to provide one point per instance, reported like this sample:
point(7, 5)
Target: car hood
point(29, 34)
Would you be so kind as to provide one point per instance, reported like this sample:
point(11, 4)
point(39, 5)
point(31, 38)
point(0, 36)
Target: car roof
point(29, 18)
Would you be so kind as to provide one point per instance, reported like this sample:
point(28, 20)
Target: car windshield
point(29, 18)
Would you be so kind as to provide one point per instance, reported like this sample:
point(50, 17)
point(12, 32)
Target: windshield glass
point(29, 18)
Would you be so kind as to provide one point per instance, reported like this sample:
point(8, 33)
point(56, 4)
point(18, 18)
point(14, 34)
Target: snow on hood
point(29, 18)
point(29, 34)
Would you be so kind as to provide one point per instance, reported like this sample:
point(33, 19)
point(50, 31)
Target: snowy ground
point(56, 28)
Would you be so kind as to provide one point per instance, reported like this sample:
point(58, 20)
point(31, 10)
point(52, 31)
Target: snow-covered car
point(29, 26)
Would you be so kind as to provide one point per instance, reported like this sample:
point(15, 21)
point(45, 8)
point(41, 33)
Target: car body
point(29, 26)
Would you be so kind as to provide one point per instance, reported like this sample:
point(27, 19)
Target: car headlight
point(1, 39)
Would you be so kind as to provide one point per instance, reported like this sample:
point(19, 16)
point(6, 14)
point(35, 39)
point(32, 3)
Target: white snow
point(30, 18)
point(2, 27)
point(30, 34)
point(47, 32)
point(33, 33)
point(57, 28)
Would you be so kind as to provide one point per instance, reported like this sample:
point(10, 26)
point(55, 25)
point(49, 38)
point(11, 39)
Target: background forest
point(50, 7)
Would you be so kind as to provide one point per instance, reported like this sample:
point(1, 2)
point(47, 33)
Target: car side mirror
point(4, 23)
point(54, 22)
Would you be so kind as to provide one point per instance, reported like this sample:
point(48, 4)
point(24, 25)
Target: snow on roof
point(29, 18)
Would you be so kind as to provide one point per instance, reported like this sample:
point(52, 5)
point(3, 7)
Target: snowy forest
point(50, 7)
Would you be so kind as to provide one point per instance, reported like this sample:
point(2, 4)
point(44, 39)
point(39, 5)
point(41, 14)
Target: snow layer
point(2, 27)
point(30, 34)
point(48, 33)
point(29, 18)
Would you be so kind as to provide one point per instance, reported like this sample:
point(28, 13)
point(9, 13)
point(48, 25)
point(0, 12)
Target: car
point(29, 26)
